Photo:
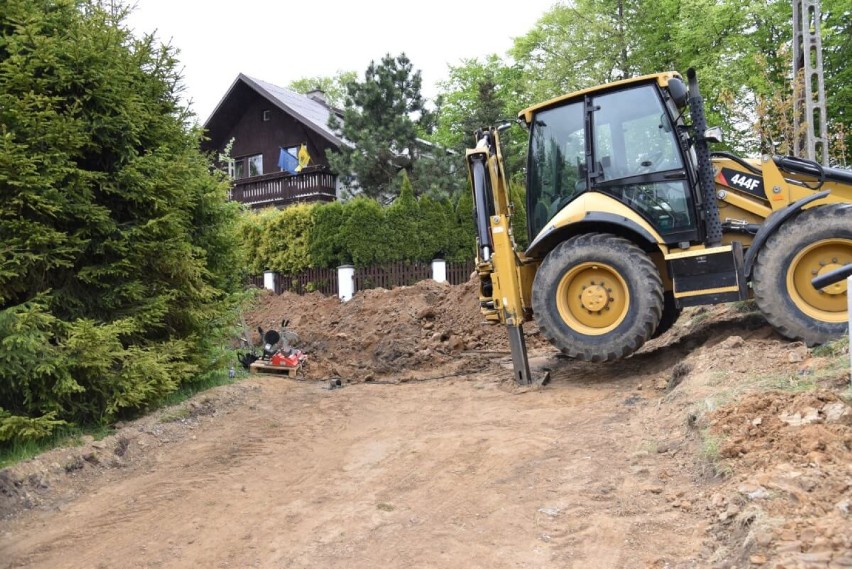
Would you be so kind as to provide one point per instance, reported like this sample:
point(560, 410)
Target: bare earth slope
point(685, 455)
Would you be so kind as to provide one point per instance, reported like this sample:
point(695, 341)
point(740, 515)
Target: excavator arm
point(505, 279)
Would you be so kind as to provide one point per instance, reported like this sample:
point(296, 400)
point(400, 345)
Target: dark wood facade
point(260, 123)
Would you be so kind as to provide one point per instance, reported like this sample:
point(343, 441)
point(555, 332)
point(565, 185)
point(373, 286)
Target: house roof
point(307, 110)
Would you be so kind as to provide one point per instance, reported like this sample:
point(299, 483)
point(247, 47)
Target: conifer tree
point(380, 121)
point(117, 249)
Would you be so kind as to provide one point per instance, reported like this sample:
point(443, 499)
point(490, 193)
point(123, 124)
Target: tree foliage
point(381, 116)
point(334, 87)
point(118, 260)
point(741, 50)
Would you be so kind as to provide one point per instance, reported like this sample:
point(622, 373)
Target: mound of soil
point(793, 500)
point(383, 333)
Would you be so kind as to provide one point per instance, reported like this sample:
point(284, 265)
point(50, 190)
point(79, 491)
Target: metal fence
point(388, 275)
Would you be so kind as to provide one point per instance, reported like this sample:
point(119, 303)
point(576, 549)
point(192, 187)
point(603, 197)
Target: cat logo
point(734, 179)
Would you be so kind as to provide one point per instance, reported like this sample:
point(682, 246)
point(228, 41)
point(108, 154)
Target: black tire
point(597, 297)
point(670, 315)
point(814, 242)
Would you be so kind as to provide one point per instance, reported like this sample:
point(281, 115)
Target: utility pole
point(809, 112)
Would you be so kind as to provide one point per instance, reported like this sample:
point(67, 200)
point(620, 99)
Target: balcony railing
point(282, 188)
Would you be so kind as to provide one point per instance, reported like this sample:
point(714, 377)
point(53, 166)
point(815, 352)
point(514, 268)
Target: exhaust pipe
point(712, 222)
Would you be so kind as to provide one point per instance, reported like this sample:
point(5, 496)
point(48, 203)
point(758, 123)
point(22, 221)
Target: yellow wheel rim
point(830, 303)
point(592, 298)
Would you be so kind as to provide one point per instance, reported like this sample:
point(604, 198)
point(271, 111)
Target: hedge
point(362, 232)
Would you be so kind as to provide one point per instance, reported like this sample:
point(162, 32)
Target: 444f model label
point(742, 181)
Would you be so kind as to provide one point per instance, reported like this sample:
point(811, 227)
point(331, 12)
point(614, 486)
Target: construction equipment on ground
point(631, 218)
point(278, 355)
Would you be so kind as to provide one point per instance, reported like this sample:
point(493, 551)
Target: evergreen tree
point(118, 258)
point(380, 121)
point(402, 219)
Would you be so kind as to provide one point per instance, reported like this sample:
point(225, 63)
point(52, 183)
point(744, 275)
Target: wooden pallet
point(261, 366)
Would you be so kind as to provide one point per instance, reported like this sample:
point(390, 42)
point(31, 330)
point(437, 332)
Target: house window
point(255, 165)
point(248, 166)
point(267, 115)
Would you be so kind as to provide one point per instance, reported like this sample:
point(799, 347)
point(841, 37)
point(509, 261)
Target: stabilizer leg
point(520, 361)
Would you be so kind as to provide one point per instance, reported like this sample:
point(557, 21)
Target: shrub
point(119, 263)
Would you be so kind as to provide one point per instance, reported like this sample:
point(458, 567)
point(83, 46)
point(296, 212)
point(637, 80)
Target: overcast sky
point(280, 41)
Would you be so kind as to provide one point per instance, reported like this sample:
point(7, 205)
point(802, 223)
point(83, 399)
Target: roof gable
point(308, 111)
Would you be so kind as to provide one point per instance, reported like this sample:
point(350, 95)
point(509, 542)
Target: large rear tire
point(597, 297)
point(815, 242)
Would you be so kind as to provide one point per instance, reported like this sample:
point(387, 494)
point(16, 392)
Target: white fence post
point(439, 270)
point(269, 280)
point(345, 282)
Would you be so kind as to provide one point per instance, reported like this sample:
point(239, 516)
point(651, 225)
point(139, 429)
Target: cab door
point(639, 161)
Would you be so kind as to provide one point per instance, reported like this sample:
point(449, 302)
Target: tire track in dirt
point(460, 473)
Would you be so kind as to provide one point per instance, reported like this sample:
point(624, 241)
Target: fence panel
point(387, 276)
point(322, 280)
point(391, 275)
point(458, 272)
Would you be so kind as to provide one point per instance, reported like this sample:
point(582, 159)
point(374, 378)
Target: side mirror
point(713, 134)
point(678, 92)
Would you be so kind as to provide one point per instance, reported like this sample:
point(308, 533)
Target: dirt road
point(452, 473)
point(718, 445)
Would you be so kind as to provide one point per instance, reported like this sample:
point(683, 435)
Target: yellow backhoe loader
point(631, 218)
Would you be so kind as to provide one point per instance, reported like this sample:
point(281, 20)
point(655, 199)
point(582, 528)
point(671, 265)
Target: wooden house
point(280, 139)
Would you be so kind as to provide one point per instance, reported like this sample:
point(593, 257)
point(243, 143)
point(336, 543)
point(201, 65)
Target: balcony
point(283, 188)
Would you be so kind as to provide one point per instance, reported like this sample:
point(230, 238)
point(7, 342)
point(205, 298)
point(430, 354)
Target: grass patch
point(834, 348)
point(204, 382)
point(711, 446)
point(789, 382)
point(718, 376)
point(699, 318)
point(746, 306)
point(62, 437)
point(179, 414)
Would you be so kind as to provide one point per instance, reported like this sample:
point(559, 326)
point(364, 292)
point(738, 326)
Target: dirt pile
point(790, 494)
point(382, 333)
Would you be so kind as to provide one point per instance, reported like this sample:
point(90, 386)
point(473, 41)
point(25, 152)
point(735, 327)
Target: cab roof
point(662, 80)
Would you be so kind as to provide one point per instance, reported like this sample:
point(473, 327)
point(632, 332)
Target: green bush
point(365, 233)
point(327, 244)
point(119, 265)
point(518, 194)
point(284, 244)
point(403, 222)
point(463, 244)
point(359, 232)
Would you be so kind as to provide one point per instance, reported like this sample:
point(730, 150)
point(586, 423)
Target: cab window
point(638, 160)
point(556, 163)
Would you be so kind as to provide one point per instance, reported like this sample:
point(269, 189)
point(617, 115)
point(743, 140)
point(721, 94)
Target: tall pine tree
point(380, 122)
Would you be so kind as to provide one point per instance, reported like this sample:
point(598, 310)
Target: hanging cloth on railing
point(304, 157)
point(288, 162)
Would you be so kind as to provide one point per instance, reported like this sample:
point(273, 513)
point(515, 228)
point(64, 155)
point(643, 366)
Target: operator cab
point(627, 141)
